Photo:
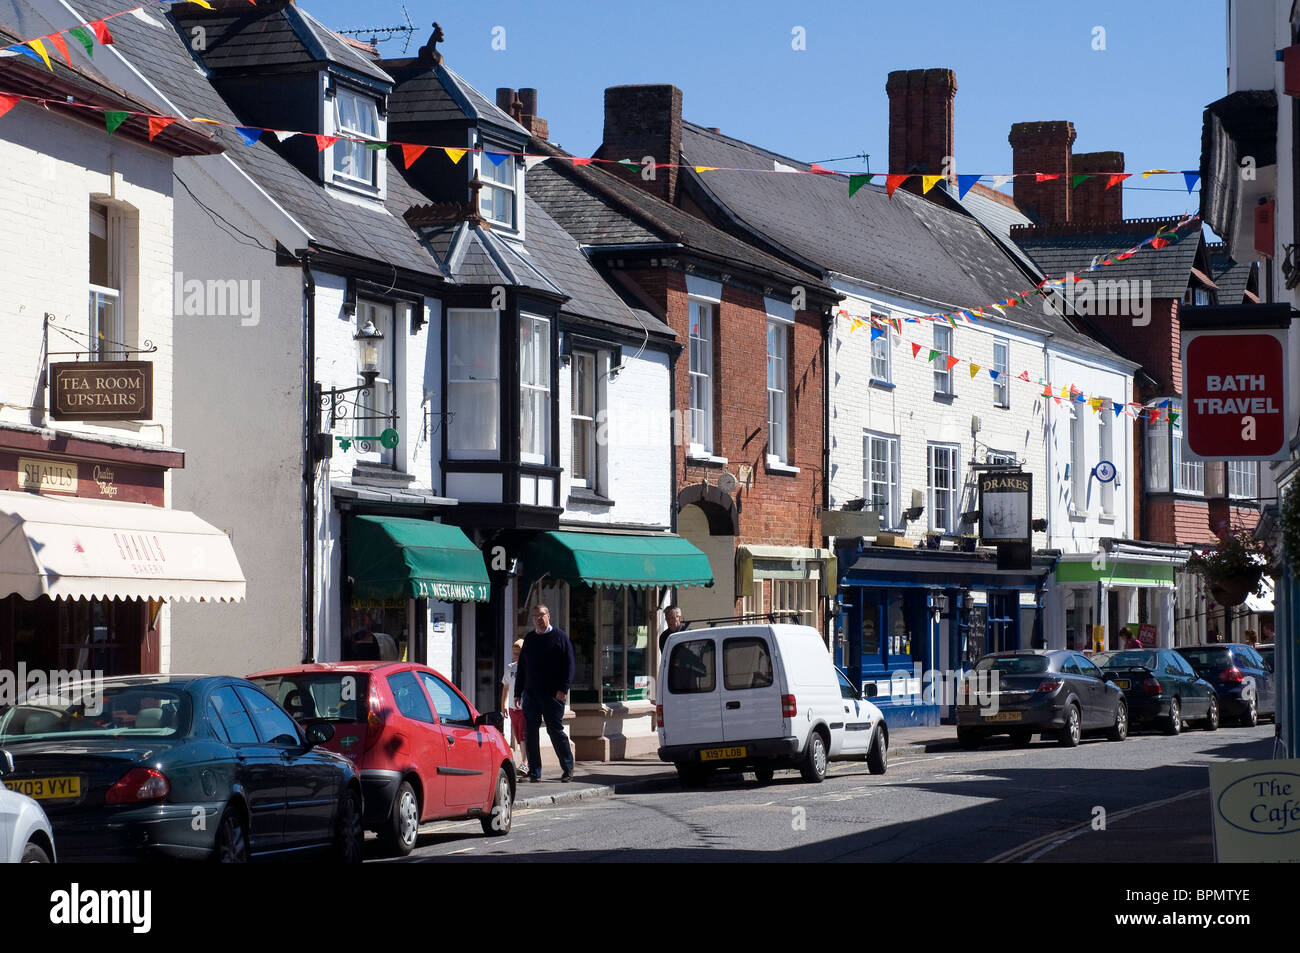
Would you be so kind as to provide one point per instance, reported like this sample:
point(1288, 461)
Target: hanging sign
point(1005, 507)
point(101, 390)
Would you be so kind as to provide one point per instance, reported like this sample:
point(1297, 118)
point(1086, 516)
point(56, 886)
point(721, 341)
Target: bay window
point(473, 384)
point(534, 389)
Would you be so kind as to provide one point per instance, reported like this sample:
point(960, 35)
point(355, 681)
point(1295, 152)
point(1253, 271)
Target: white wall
point(1255, 29)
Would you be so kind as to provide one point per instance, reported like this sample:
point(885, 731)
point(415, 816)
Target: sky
point(1131, 76)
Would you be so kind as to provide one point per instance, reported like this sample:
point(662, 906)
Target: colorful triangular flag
point(39, 47)
point(101, 32)
point(1076, 179)
point(1191, 178)
point(158, 123)
point(82, 36)
point(143, 17)
point(857, 181)
point(7, 103)
point(250, 134)
point(974, 369)
point(410, 153)
point(1117, 178)
point(933, 355)
point(916, 349)
point(821, 170)
point(324, 142)
point(496, 157)
point(57, 41)
point(530, 161)
point(965, 183)
point(455, 155)
point(928, 182)
point(892, 182)
point(997, 181)
point(114, 118)
point(952, 362)
point(994, 374)
point(1046, 176)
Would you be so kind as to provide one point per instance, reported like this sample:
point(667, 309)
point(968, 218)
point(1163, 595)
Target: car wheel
point(1251, 718)
point(402, 829)
point(232, 839)
point(1021, 738)
point(348, 834)
point(878, 756)
point(967, 738)
point(497, 824)
point(34, 853)
point(764, 773)
point(1174, 720)
point(1119, 731)
point(813, 767)
point(1072, 733)
point(1211, 722)
point(692, 775)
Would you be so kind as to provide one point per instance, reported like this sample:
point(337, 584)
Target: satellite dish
point(727, 482)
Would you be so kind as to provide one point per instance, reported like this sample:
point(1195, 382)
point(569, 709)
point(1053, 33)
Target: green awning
point(395, 557)
point(610, 559)
point(1116, 572)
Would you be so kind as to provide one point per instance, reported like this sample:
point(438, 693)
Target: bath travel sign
point(101, 390)
point(1235, 382)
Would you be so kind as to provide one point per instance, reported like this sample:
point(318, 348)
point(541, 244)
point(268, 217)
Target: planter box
point(897, 540)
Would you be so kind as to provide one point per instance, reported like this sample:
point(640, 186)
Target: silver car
point(25, 834)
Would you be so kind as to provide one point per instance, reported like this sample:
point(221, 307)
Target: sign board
point(46, 476)
point(1006, 507)
point(101, 390)
point(850, 523)
point(1147, 635)
point(1235, 394)
point(1256, 811)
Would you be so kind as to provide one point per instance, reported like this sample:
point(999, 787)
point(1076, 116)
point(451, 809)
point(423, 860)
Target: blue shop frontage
point(913, 621)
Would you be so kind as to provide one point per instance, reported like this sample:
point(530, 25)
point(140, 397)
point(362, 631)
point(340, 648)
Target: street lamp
point(334, 399)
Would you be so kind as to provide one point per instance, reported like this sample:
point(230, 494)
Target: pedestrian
point(510, 704)
point(1251, 638)
point(1132, 642)
point(542, 682)
point(673, 623)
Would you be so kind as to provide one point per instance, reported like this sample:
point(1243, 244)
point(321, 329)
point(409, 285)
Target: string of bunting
point(880, 327)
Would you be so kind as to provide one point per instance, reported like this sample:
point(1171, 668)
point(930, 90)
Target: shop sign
point(1235, 395)
point(1256, 808)
point(1006, 503)
point(101, 390)
point(46, 476)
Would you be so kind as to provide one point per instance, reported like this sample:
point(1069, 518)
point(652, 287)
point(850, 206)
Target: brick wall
point(644, 121)
point(921, 124)
point(1154, 345)
point(1187, 521)
point(1042, 147)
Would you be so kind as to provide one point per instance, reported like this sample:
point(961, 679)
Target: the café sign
point(101, 390)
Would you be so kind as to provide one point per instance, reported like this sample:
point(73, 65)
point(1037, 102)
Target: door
point(259, 770)
point(311, 783)
point(692, 694)
point(751, 693)
point(1194, 693)
point(469, 773)
point(425, 748)
point(1098, 699)
point(857, 728)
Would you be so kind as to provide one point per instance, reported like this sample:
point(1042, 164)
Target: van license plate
point(722, 754)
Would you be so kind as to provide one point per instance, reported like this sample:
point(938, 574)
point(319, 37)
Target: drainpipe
point(310, 418)
point(827, 320)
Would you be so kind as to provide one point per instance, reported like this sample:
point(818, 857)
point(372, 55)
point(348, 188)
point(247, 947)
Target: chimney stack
point(1092, 203)
point(644, 121)
point(921, 124)
point(1042, 147)
point(521, 106)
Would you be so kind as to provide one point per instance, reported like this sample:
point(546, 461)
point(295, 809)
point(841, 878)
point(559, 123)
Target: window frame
point(1078, 459)
point(1002, 386)
point(1105, 451)
point(1186, 476)
point(591, 479)
point(882, 350)
point(1237, 471)
point(490, 186)
point(373, 185)
point(456, 385)
point(535, 386)
point(108, 343)
point(700, 375)
point(778, 408)
point(931, 468)
point(892, 518)
point(943, 385)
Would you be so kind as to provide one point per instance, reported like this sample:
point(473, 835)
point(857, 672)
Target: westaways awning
point(613, 559)
point(84, 549)
point(397, 557)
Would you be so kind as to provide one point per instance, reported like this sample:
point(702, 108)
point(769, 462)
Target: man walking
point(542, 682)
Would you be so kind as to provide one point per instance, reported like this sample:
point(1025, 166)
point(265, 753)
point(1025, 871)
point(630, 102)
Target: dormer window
point(496, 199)
point(356, 116)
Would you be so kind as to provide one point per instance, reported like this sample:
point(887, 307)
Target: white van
point(761, 697)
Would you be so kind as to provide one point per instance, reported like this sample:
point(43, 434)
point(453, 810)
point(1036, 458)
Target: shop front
point(1097, 601)
point(89, 556)
point(911, 622)
point(606, 590)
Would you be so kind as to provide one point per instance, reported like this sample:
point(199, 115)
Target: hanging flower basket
point(1234, 568)
point(1233, 592)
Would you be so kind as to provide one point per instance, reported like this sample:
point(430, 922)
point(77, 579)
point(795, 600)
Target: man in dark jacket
point(542, 682)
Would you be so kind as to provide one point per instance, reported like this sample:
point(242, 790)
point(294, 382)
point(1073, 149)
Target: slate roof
point(286, 38)
point(1061, 249)
point(945, 257)
point(600, 209)
point(439, 94)
point(351, 227)
point(1232, 277)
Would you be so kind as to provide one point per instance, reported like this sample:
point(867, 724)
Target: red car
point(421, 749)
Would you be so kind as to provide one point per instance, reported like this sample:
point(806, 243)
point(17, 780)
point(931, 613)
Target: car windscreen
point(1134, 659)
point(1203, 659)
point(1013, 664)
point(146, 711)
point(319, 696)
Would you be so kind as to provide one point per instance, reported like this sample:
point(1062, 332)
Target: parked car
point(186, 766)
point(779, 702)
point(1160, 686)
point(1242, 680)
point(25, 833)
point(1266, 653)
point(423, 752)
point(1049, 691)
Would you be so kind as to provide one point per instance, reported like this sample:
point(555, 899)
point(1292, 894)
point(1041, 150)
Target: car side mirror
point(1107, 676)
point(492, 718)
point(319, 732)
point(6, 763)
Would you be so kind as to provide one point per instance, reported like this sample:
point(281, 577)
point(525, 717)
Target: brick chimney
point(521, 106)
point(921, 122)
point(644, 121)
point(1092, 203)
point(1042, 147)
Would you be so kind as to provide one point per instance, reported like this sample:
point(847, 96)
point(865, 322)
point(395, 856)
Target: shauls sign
point(1236, 387)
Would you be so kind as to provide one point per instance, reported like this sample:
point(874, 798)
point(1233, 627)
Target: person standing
point(673, 621)
point(542, 682)
point(511, 704)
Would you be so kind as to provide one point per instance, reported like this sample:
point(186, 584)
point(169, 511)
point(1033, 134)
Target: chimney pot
point(1042, 147)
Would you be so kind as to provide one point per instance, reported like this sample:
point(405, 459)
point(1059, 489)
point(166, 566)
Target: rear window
point(1202, 659)
point(692, 668)
point(319, 696)
point(1013, 664)
point(148, 711)
point(746, 663)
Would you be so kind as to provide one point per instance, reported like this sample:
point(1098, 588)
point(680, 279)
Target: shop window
point(378, 632)
point(885, 633)
point(624, 633)
point(796, 600)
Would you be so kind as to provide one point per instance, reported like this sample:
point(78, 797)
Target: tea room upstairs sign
point(101, 390)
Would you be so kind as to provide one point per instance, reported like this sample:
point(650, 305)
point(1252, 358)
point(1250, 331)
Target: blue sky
point(1016, 60)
